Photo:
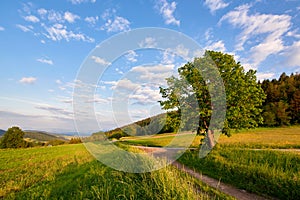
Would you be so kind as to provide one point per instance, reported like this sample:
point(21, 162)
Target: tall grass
point(264, 172)
point(69, 172)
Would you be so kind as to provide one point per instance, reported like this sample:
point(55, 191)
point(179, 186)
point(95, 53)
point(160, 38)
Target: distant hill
point(2, 132)
point(157, 126)
point(42, 136)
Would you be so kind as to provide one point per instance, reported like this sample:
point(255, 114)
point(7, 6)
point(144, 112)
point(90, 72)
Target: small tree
point(13, 138)
point(244, 96)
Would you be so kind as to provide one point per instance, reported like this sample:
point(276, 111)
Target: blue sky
point(44, 44)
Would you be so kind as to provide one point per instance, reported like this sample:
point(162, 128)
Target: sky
point(45, 44)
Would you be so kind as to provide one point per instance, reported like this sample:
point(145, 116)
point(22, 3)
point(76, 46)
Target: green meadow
point(70, 172)
point(265, 161)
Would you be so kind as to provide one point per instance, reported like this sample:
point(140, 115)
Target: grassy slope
point(70, 172)
point(41, 136)
point(234, 161)
point(164, 140)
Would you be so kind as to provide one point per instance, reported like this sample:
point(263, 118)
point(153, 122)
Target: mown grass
point(285, 137)
point(182, 140)
point(288, 137)
point(70, 172)
point(265, 172)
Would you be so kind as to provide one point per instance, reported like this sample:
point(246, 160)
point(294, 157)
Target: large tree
point(244, 96)
point(13, 138)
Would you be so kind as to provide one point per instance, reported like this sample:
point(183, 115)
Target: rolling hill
point(42, 136)
point(2, 132)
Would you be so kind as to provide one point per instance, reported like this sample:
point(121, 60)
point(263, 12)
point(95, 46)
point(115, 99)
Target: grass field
point(250, 159)
point(288, 137)
point(70, 172)
point(182, 140)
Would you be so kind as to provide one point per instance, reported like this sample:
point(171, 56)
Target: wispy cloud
point(92, 20)
point(31, 18)
point(56, 110)
point(167, 10)
point(215, 5)
point(46, 61)
point(28, 80)
point(113, 22)
point(58, 32)
point(265, 75)
point(271, 27)
point(52, 24)
point(70, 17)
point(24, 28)
point(216, 46)
point(81, 1)
point(148, 42)
point(100, 61)
point(292, 55)
point(2, 28)
point(131, 56)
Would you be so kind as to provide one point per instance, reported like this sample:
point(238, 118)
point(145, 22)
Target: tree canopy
point(13, 138)
point(282, 105)
point(244, 96)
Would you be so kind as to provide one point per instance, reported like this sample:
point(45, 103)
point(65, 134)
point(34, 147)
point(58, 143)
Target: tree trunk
point(210, 138)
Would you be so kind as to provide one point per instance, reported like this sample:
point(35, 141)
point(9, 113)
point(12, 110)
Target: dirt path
point(225, 188)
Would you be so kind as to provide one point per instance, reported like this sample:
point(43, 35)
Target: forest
point(282, 104)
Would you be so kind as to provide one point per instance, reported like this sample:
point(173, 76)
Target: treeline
point(282, 104)
point(14, 138)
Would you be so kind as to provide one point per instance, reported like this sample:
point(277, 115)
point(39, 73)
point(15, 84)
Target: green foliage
point(13, 138)
point(244, 96)
point(56, 142)
point(75, 141)
point(282, 105)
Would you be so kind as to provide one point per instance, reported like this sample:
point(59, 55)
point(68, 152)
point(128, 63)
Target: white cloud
point(46, 61)
point(208, 34)
point(119, 71)
point(153, 74)
point(70, 17)
point(273, 27)
point(216, 46)
point(148, 42)
point(292, 55)
point(167, 10)
point(168, 57)
point(56, 110)
point(116, 24)
point(100, 61)
point(28, 80)
point(293, 34)
point(264, 75)
point(181, 51)
point(24, 28)
point(131, 56)
point(58, 81)
point(42, 11)
point(91, 20)
point(55, 17)
point(126, 84)
point(54, 24)
point(2, 28)
point(58, 32)
point(32, 18)
point(215, 5)
point(81, 1)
